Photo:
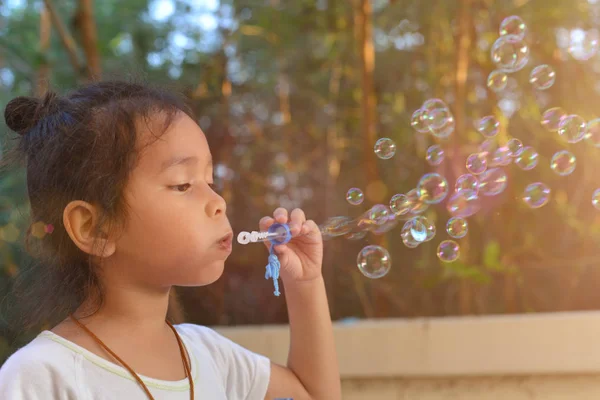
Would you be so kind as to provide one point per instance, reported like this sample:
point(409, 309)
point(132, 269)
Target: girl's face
point(177, 232)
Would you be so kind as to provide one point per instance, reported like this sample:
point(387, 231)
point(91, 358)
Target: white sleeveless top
point(53, 368)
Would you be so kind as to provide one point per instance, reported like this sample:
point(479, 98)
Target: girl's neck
point(129, 309)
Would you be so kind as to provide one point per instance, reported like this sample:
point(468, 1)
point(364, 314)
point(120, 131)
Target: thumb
point(282, 252)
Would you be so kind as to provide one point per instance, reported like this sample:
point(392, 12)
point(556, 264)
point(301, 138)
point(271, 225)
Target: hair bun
point(20, 113)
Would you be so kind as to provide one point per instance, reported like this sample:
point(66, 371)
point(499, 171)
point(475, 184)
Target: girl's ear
point(80, 219)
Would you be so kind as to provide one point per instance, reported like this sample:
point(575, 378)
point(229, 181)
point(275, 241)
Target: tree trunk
point(463, 43)
point(65, 38)
point(44, 70)
point(89, 38)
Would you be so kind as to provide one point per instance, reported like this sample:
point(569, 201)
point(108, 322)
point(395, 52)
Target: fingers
point(265, 223)
point(297, 220)
point(281, 215)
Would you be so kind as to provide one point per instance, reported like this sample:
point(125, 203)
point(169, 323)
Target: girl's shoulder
point(34, 368)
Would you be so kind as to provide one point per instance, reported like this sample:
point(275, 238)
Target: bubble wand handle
point(277, 234)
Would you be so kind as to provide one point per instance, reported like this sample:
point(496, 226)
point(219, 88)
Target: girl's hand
point(301, 258)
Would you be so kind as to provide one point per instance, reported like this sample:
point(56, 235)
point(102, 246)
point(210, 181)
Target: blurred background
point(293, 97)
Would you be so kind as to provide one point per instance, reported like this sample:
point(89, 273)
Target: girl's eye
point(182, 188)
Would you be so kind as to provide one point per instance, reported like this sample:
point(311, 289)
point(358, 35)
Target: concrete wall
point(538, 356)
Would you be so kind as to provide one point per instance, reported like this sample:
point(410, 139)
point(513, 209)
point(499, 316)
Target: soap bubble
point(417, 121)
point(429, 227)
point(489, 146)
point(356, 235)
point(488, 126)
point(596, 199)
point(513, 25)
point(563, 162)
point(385, 148)
point(457, 227)
point(476, 163)
point(501, 157)
point(445, 130)
point(527, 159)
point(374, 261)
point(552, 118)
point(378, 214)
point(448, 251)
point(592, 132)
point(584, 44)
point(463, 204)
point(416, 229)
point(355, 196)
point(433, 187)
point(417, 201)
point(515, 146)
point(572, 128)
point(536, 195)
point(492, 182)
point(400, 204)
point(510, 53)
point(336, 226)
point(467, 182)
point(496, 80)
point(435, 155)
point(436, 114)
point(542, 77)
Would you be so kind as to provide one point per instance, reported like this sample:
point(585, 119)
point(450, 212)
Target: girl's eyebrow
point(182, 160)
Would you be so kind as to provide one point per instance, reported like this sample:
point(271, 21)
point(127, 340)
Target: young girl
point(123, 175)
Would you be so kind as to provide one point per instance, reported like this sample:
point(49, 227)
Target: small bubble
point(463, 204)
point(416, 228)
point(584, 45)
point(563, 162)
point(536, 195)
point(513, 25)
point(527, 159)
point(433, 187)
point(501, 157)
point(417, 121)
point(355, 196)
point(476, 163)
point(378, 214)
point(572, 128)
point(552, 118)
point(488, 126)
point(448, 251)
point(592, 132)
point(542, 77)
point(467, 182)
point(374, 261)
point(492, 182)
point(445, 130)
point(385, 148)
point(417, 201)
point(457, 227)
point(510, 53)
point(497, 80)
point(489, 145)
point(400, 204)
point(435, 155)
point(596, 199)
point(435, 114)
point(515, 146)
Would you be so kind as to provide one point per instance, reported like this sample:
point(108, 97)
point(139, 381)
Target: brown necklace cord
point(186, 360)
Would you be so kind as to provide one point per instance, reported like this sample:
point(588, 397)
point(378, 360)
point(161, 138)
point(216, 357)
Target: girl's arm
point(312, 370)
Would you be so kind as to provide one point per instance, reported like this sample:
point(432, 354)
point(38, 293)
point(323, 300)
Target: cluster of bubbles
point(485, 175)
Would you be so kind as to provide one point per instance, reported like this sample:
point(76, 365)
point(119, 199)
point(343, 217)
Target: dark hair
point(82, 146)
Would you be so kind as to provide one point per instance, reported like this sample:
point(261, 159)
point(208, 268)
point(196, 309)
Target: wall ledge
point(524, 344)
